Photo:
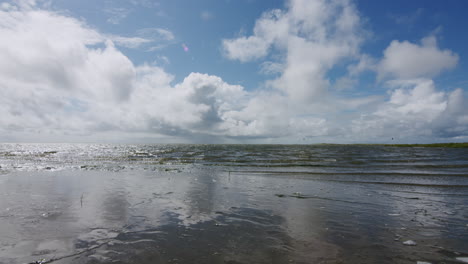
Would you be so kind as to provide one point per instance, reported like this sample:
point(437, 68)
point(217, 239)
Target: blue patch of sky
point(229, 19)
point(203, 36)
point(411, 21)
point(75, 105)
point(386, 20)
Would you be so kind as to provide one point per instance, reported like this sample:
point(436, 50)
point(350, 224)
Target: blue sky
point(246, 71)
point(203, 24)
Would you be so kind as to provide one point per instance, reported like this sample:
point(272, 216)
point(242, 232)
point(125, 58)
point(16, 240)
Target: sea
point(183, 203)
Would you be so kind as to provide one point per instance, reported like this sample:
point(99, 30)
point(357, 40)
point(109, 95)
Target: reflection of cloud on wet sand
point(240, 236)
point(115, 207)
point(201, 197)
point(210, 215)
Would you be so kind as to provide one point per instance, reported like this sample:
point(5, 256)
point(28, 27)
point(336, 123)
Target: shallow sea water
point(85, 203)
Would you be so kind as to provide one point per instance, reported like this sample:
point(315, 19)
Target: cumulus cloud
point(272, 26)
point(421, 102)
point(59, 77)
point(246, 49)
point(57, 74)
point(312, 36)
point(53, 74)
point(308, 39)
point(316, 36)
point(453, 122)
point(416, 109)
point(405, 60)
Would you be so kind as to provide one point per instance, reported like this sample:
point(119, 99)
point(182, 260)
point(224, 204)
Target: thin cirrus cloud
point(116, 14)
point(206, 15)
point(147, 38)
point(130, 42)
point(62, 79)
point(159, 38)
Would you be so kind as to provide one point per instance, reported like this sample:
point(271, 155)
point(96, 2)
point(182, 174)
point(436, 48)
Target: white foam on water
point(409, 243)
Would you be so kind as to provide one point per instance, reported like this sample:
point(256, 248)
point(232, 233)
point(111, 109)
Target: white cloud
point(129, 42)
point(422, 102)
point(273, 25)
point(59, 78)
point(150, 39)
point(117, 14)
point(156, 34)
point(25, 4)
point(365, 63)
point(246, 49)
point(153, 39)
point(416, 109)
point(76, 81)
point(312, 36)
point(269, 67)
point(344, 83)
point(406, 60)
point(453, 122)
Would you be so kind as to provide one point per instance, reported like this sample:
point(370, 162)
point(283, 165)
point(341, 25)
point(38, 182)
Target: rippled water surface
point(85, 203)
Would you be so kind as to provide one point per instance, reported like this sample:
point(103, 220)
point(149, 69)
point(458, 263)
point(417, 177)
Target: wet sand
point(193, 214)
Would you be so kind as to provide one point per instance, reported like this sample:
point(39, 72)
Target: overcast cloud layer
point(63, 80)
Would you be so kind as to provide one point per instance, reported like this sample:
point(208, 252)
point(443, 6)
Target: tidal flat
point(84, 203)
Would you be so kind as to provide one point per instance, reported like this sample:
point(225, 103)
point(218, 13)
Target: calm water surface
point(85, 203)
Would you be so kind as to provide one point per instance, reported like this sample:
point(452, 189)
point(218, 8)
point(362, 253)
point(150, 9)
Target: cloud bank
point(62, 80)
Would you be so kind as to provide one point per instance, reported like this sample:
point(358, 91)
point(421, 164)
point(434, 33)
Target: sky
point(233, 71)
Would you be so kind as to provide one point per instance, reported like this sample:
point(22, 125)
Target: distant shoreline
point(431, 145)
